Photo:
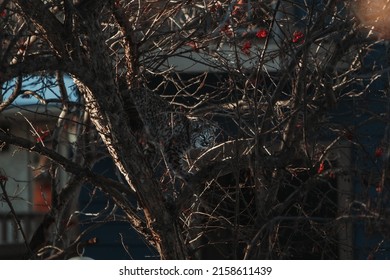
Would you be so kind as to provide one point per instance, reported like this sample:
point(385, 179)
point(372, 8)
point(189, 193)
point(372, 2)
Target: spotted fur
point(173, 132)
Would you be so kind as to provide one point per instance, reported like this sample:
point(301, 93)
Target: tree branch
point(116, 190)
point(15, 93)
point(33, 64)
point(45, 21)
point(13, 212)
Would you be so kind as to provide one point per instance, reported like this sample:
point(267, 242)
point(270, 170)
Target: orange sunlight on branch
point(374, 15)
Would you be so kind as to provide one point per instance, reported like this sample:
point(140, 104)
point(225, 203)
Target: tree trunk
point(97, 82)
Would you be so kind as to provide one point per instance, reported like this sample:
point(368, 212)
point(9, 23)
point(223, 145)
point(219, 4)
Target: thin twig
point(13, 212)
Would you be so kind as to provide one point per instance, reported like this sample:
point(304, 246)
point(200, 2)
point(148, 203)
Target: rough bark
point(94, 75)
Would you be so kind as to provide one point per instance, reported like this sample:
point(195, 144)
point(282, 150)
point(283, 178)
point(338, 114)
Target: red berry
point(378, 152)
point(321, 168)
point(298, 37)
point(246, 47)
point(262, 33)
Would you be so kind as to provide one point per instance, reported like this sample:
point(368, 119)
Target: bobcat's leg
point(174, 153)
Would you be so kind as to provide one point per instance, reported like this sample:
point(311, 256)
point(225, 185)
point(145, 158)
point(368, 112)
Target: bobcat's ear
point(195, 123)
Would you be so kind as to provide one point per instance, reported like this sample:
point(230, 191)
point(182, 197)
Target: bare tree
point(277, 77)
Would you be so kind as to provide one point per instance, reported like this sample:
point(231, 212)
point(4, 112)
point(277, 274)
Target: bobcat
point(172, 132)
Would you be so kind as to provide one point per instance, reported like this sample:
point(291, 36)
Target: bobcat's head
point(202, 133)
